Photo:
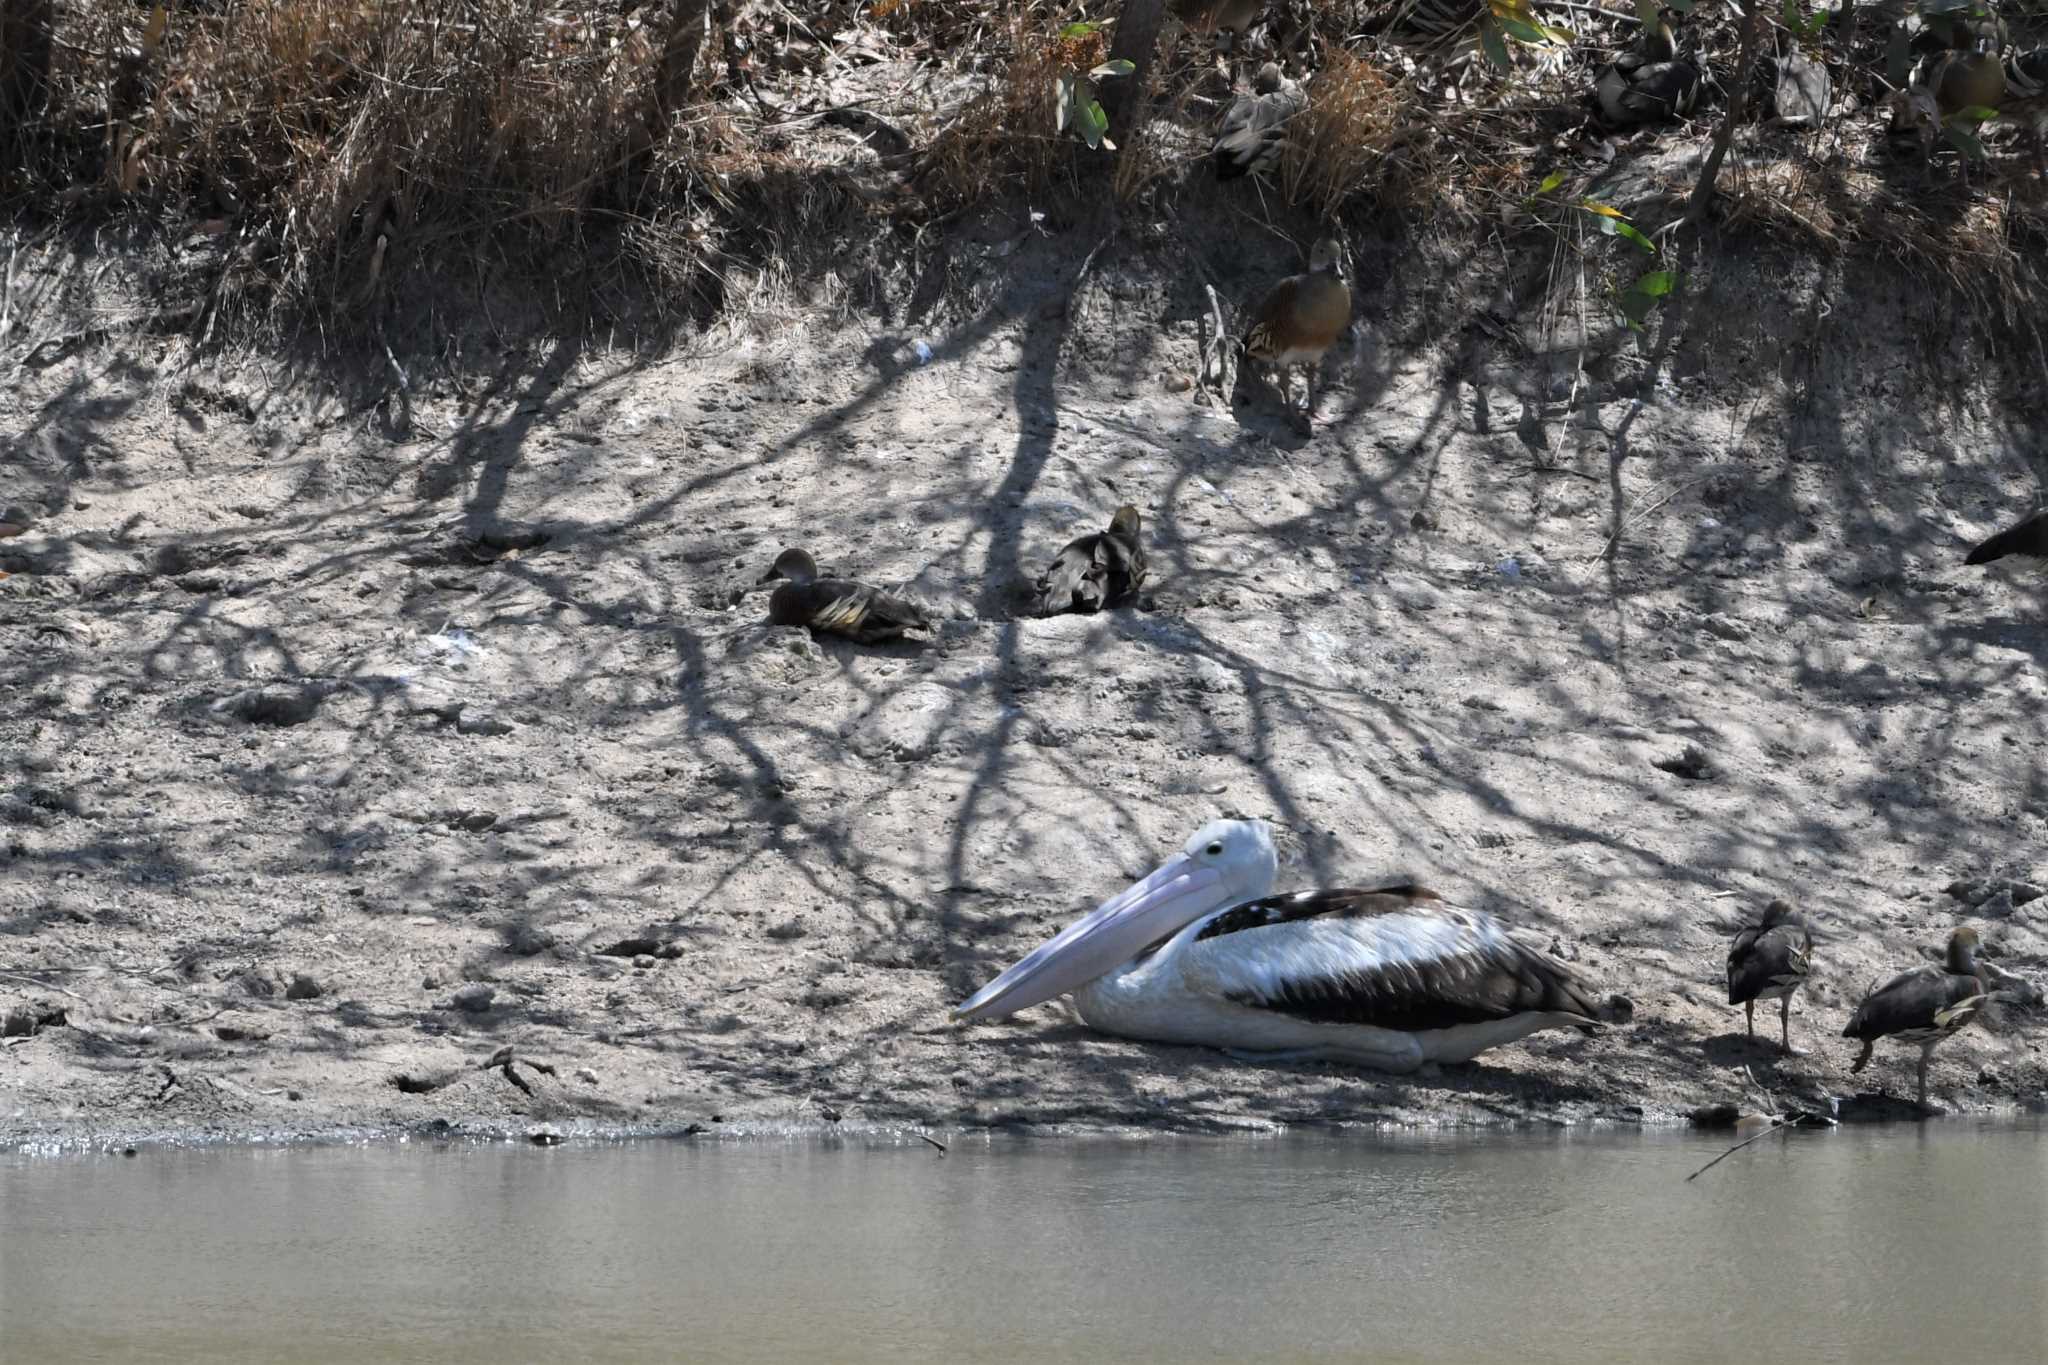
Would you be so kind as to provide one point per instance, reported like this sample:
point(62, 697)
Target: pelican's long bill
point(1179, 892)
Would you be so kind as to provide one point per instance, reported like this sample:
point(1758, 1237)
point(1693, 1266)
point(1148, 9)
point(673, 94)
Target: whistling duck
point(1094, 571)
point(837, 606)
point(1299, 319)
point(1649, 83)
point(1255, 125)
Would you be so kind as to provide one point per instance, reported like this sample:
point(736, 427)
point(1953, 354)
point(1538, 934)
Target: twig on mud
point(1636, 516)
point(7, 285)
point(933, 1142)
point(1593, 9)
point(404, 383)
point(1089, 263)
point(40, 985)
point(1212, 349)
point(211, 309)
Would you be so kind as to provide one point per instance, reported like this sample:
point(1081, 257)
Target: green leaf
point(1680, 6)
point(1625, 230)
point(1550, 182)
point(1092, 123)
point(1492, 44)
point(1594, 206)
point(1119, 67)
point(1081, 29)
point(1523, 33)
point(1975, 113)
point(1640, 299)
point(1564, 37)
point(1965, 141)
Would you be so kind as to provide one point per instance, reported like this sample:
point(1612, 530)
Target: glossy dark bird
point(837, 606)
point(1769, 961)
point(1650, 83)
point(2030, 537)
point(1924, 1005)
point(1255, 125)
point(1299, 319)
point(1095, 571)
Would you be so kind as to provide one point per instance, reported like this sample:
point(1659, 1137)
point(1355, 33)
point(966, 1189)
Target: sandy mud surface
point(368, 770)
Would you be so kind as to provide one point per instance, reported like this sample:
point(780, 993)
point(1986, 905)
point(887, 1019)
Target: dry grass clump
point(1004, 138)
point(355, 133)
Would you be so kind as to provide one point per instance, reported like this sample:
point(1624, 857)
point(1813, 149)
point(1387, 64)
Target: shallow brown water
point(1909, 1242)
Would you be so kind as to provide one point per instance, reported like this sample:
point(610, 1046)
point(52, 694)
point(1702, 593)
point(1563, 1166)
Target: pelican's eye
point(1214, 850)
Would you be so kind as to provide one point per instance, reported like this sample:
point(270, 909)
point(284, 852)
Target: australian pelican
point(1389, 976)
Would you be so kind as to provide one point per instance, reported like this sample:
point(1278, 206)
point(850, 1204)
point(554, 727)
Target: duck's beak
point(1171, 898)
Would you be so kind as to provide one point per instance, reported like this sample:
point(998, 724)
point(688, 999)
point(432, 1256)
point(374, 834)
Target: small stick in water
point(1777, 1126)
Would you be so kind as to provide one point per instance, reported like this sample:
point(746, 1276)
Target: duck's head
point(1268, 78)
point(795, 565)
point(1327, 255)
point(1126, 521)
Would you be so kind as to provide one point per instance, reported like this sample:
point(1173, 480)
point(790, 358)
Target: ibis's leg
point(1925, 1053)
point(1749, 1009)
point(1862, 1060)
point(1785, 1027)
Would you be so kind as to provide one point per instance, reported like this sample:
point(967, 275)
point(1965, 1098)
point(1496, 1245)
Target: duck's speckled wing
point(842, 607)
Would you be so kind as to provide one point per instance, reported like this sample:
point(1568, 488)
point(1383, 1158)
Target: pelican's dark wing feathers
point(1394, 957)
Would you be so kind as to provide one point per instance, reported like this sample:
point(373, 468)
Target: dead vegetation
point(330, 151)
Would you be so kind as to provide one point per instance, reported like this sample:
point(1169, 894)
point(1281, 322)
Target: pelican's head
point(795, 565)
point(1226, 862)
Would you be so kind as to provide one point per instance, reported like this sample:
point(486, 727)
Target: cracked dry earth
point(335, 764)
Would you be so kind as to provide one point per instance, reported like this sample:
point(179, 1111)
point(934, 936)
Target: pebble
point(475, 999)
point(304, 987)
point(477, 720)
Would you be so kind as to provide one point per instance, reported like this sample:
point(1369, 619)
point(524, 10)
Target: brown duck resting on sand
point(837, 606)
point(1094, 571)
point(1924, 1006)
point(2029, 537)
point(1769, 961)
point(1254, 127)
point(1649, 83)
point(1940, 88)
point(1298, 321)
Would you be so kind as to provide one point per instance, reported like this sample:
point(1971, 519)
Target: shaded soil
point(344, 749)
